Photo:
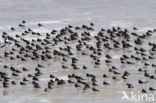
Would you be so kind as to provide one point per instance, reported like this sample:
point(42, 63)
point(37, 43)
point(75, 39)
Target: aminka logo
point(137, 97)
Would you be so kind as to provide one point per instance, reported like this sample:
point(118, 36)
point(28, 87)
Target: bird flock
point(90, 59)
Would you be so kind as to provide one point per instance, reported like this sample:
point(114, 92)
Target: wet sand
point(67, 93)
point(56, 14)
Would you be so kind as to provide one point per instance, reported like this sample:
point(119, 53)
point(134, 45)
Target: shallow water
point(140, 13)
point(59, 13)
